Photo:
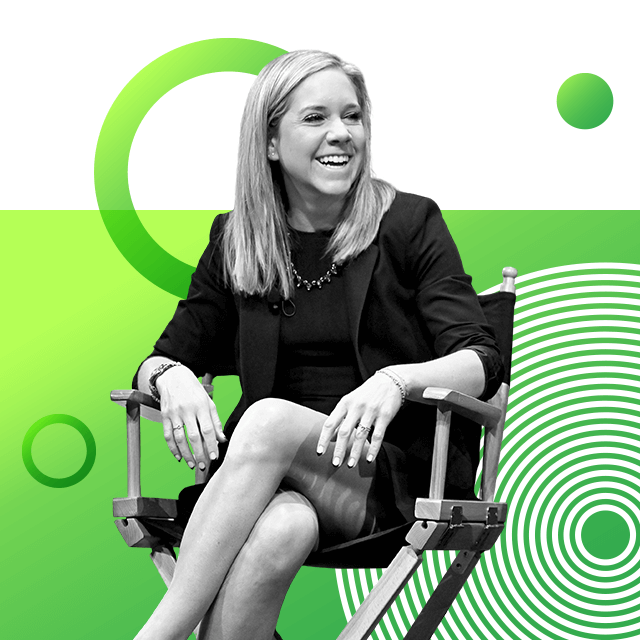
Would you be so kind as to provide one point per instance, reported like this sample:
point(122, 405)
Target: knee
point(262, 431)
point(281, 541)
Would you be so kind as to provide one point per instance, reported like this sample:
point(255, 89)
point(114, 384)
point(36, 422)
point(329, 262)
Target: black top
point(316, 360)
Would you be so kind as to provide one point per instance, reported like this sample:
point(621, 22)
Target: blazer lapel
point(357, 275)
point(259, 333)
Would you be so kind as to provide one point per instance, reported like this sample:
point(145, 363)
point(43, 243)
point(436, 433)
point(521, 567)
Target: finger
point(217, 423)
point(377, 437)
point(345, 433)
point(196, 441)
point(330, 426)
point(181, 442)
point(208, 431)
point(362, 432)
point(168, 436)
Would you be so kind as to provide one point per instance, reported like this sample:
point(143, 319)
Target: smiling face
point(320, 140)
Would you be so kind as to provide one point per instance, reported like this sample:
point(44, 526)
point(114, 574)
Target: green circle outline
point(43, 478)
point(128, 110)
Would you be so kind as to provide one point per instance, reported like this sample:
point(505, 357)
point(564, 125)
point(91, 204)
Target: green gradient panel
point(78, 320)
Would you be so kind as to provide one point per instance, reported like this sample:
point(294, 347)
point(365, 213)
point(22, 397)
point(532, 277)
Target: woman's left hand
point(370, 407)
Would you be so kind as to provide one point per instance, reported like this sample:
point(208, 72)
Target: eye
point(354, 116)
point(313, 118)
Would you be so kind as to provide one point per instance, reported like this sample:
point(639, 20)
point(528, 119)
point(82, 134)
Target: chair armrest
point(149, 408)
point(488, 414)
point(142, 404)
point(447, 400)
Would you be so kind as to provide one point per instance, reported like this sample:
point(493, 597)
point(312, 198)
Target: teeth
point(333, 159)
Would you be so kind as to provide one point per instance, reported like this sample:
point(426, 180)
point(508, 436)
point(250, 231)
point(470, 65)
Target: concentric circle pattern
point(568, 564)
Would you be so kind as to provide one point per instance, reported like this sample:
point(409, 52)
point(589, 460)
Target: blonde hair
point(255, 241)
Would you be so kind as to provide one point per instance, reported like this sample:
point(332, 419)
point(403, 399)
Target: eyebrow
point(320, 107)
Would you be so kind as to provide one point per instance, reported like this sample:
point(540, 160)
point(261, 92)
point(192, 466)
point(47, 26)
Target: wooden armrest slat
point(149, 408)
point(467, 406)
point(122, 395)
point(145, 507)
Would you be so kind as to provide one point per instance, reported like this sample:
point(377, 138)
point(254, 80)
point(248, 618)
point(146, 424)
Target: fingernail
point(320, 450)
point(351, 463)
point(336, 462)
point(178, 458)
point(191, 465)
point(370, 458)
point(202, 466)
point(213, 456)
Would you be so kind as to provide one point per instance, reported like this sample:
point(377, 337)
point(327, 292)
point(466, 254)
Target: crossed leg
point(248, 604)
point(274, 444)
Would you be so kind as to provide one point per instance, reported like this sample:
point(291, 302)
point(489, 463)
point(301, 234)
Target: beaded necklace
point(301, 282)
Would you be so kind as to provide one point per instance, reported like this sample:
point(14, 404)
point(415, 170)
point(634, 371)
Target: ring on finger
point(363, 428)
point(179, 428)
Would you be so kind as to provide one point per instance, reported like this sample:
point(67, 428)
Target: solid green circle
point(585, 101)
point(116, 137)
point(43, 478)
point(605, 534)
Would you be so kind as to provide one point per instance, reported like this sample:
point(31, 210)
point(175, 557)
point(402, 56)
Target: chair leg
point(442, 598)
point(393, 580)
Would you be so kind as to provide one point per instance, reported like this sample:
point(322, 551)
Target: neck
point(312, 221)
point(319, 215)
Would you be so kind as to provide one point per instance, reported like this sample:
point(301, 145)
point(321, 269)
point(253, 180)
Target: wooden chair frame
point(471, 527)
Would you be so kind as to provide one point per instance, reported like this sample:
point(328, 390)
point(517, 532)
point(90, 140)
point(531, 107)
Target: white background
point(464, 97)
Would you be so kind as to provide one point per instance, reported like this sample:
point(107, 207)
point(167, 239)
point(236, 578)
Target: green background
point(77, 320)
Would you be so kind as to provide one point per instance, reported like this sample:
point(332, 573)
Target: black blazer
point(409, 300)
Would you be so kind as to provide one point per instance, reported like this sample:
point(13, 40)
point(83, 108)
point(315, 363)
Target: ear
point(272, 150)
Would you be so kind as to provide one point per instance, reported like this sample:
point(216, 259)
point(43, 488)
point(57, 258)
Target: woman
point(335, 299)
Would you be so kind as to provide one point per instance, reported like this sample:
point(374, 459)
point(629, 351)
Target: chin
point(340, 189)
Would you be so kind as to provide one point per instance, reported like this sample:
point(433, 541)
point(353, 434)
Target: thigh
point(280, 430)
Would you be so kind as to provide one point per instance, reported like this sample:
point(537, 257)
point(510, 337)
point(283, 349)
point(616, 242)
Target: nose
point(338, 132)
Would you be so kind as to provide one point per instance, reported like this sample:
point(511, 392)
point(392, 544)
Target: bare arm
point(460, 371)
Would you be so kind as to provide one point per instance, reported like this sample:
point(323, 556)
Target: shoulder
point(217, 227)
point(409, 215)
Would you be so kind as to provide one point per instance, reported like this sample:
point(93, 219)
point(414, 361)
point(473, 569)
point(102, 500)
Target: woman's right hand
point(185, 405)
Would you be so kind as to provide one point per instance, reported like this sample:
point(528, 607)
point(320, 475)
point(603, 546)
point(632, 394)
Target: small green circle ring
point(43, 478)
point(111, 164)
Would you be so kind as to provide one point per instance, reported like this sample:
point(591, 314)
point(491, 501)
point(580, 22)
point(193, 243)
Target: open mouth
point(334, 161)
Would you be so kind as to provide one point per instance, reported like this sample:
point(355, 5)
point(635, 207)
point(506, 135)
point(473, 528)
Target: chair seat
point(372, 552)
point(465, 510)
point(460, 524)
point(150, 533)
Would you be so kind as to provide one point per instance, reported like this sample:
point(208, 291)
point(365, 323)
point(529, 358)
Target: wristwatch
point(156, 373)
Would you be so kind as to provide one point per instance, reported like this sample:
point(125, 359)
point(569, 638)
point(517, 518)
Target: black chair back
point(498, 309)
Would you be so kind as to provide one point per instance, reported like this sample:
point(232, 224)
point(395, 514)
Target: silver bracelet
point(397, 380)
point(156, 373)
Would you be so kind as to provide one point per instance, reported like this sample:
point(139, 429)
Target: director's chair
point(468, 526)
